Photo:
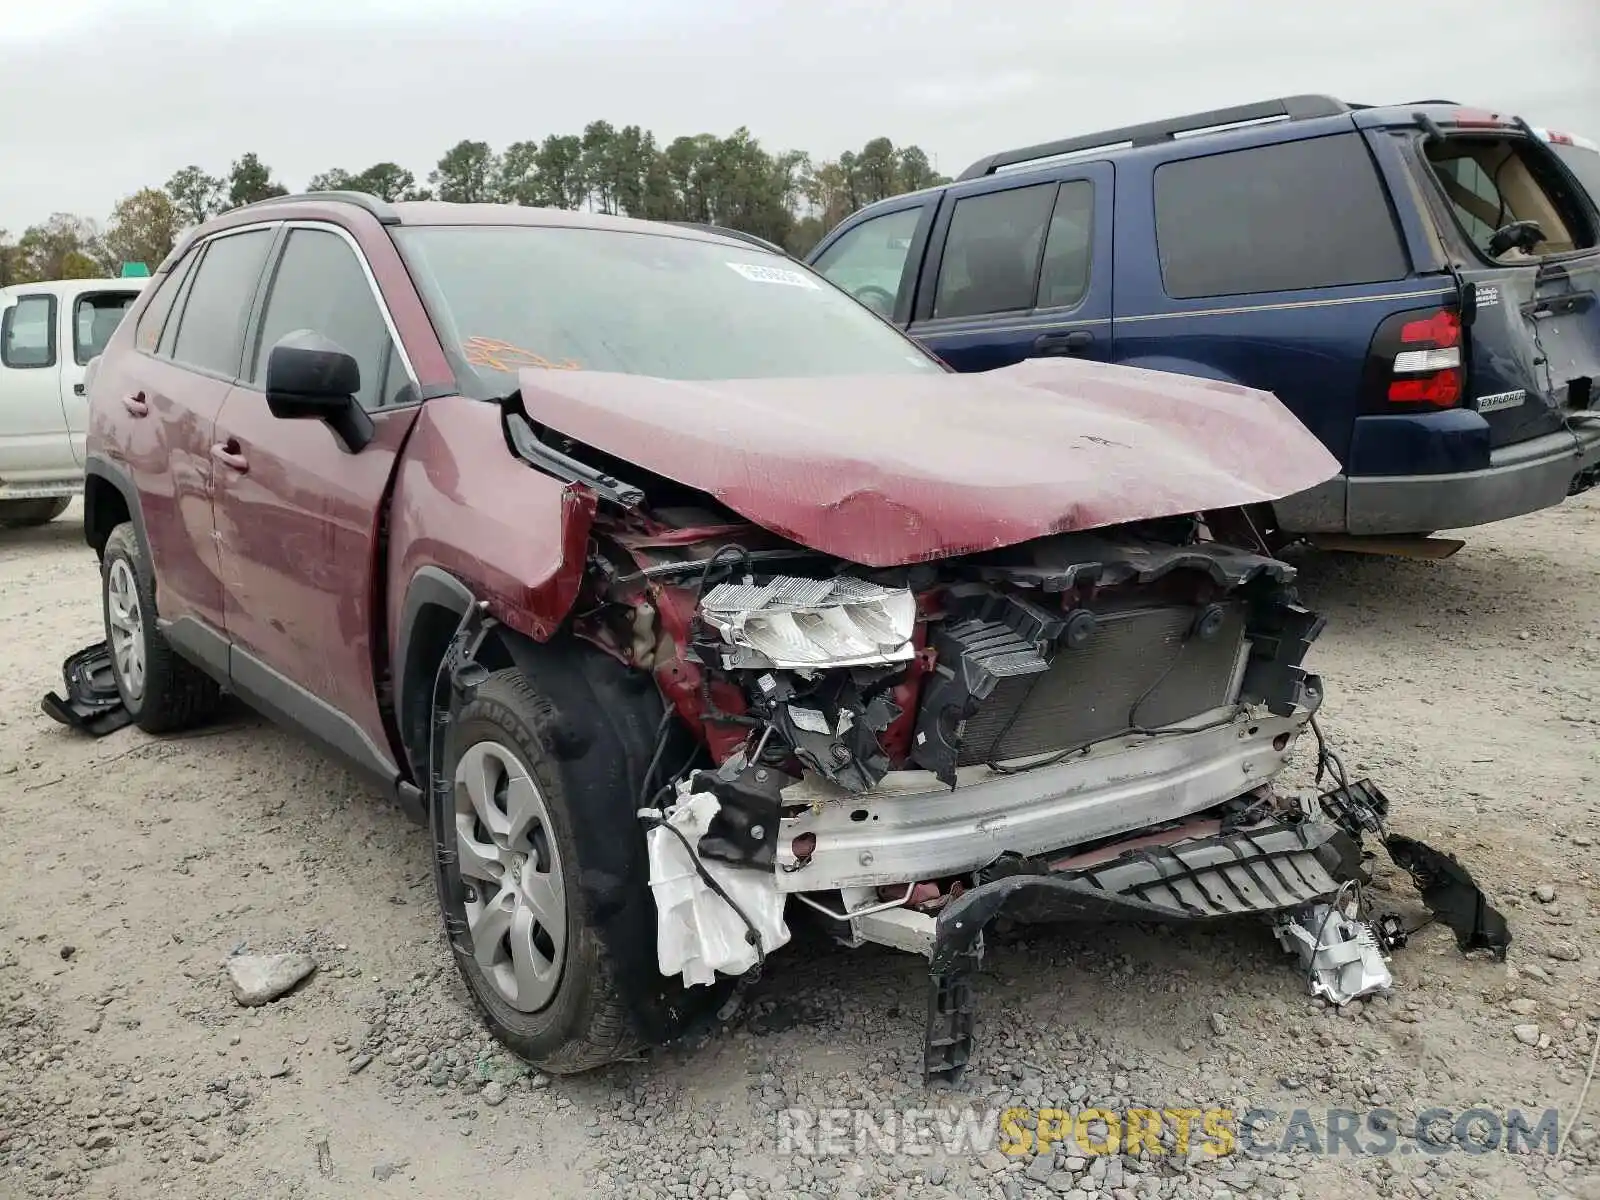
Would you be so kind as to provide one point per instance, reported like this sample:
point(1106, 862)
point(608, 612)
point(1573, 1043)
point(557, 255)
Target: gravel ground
point(133, 867)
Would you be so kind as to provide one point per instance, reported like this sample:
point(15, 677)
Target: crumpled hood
point(884, 470)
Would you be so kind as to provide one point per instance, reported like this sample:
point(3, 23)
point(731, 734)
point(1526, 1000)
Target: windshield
point(508, 297)
point(1584, 164)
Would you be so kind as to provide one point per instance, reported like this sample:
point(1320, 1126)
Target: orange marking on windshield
point(503, 356)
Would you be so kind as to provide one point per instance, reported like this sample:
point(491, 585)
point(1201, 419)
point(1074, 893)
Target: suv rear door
point(1019, 266)
point(1534, 339)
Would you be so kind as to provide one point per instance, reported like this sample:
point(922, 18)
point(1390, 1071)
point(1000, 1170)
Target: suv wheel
point(20, 514)
point(507, 868)
point(162, 692)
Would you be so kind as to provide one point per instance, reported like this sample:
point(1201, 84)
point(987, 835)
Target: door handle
point(1073, 342)
point(228, 454)
point(135, 404)
point(77, 389)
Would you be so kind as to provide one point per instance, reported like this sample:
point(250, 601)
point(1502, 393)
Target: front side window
point(869, 261)
point(96, 318)
point(1495, 182)
point(211, 326)
point(28, 333)
point(1285, 217)
point(507, 297)
point(320, 285)
point(991, 254)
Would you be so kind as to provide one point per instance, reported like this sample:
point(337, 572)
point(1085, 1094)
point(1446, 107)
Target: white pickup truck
point(48, 334)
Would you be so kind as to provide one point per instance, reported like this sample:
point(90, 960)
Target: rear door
point(1018, 269)
point(89, 318)
point(33, 437)
point(1534, 341)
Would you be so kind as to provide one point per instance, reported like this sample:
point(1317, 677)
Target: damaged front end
point(911, 741)
point(1085, 726)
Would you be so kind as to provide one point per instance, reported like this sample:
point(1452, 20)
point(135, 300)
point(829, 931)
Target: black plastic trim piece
point(736, 234)
point(118, 477)
point(1295, 108)
point(563, 466)
point(363, 200)
point(285, 701)
point(199, 643)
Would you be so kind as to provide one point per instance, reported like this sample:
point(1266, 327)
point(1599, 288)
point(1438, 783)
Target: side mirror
point(310, 378)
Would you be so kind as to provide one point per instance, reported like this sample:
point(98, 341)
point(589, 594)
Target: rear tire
point(24, 514)
point(161, 691)
point(507, 866)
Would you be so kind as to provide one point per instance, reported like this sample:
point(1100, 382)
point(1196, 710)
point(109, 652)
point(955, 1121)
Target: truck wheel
point(162, 692)
point(21, 514)
point(508, 867)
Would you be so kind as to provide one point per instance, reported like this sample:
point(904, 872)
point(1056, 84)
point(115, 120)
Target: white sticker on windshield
point(756, 273)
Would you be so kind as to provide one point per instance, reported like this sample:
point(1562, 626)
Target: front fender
point(466, 505)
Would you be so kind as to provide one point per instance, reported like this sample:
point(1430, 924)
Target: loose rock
point(259, 979)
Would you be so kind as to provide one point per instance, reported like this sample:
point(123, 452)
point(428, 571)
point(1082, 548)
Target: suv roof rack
point(375, 206)
point(739, 234)
point(1295, 108)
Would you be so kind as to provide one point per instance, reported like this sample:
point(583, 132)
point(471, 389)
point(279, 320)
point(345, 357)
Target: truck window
point(95, 320)
point(28, 333)
point(869, 260)
point(211, 326)
point(991, 253)
point(1492, 182)
point(1277, 218)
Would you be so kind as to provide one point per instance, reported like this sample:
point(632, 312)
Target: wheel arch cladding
point(109, 499)
point(601, 730)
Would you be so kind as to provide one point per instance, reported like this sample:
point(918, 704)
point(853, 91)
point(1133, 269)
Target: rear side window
point(1279, 218)
point(95, 320)
point(211, 326)
point(1064, 274)
point(154, 317)
point(1495, 182)
point(320, 285)
point(28, 333)
point(991, 254)
point(869, 260)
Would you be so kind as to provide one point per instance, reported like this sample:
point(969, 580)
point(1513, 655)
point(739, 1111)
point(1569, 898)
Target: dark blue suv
point(1419, 284)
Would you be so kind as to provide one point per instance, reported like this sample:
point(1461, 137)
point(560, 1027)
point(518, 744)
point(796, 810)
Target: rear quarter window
point(1286, 217)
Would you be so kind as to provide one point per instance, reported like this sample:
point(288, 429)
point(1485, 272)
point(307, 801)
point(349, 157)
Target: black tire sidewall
point(28, 514)
point(502, 712)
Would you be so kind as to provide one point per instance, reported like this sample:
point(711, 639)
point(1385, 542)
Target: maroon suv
point(680, 595)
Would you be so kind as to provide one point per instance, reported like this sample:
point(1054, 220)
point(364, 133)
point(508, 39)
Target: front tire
point(24, 514)
point(161, 691)
point(507, 866)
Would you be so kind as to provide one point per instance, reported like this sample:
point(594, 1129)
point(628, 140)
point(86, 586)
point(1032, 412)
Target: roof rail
point(739, 234)
point(377, 207)
point(1295, 108)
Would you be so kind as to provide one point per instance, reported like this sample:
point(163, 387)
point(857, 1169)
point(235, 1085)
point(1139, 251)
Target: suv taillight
point(1416, 363)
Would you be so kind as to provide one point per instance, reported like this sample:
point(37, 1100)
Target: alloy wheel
point(515, 897)
point(126, 623)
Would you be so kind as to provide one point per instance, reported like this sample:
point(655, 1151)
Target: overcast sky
point(102, 97)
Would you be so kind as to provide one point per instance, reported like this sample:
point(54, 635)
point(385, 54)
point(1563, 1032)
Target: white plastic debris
point(1338, 950)
point(699, 935)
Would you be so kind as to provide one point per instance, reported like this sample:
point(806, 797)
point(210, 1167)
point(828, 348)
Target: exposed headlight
point(799, 623)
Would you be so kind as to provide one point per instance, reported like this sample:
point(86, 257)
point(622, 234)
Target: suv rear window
point(1492, 182)
point(1285, 217)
